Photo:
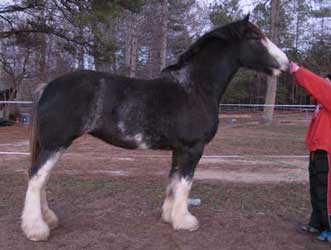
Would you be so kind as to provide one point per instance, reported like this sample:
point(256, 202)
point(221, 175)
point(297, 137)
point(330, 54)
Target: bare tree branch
point(18, 8)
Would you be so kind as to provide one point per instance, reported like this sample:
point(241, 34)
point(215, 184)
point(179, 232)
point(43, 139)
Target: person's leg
point(314, 222)
point(321, 187)
point(329, 191)
point(322, 164)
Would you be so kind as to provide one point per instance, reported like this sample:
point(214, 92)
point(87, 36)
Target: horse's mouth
point(276, 71)
point(284, 65)
point(272, 71)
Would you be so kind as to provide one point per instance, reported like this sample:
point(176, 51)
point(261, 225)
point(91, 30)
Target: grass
point(258, 139)
point(216, 196)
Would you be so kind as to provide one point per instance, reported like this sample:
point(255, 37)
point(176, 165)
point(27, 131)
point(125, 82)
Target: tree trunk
point(271, 80)
point(80, 55)
point(43, 71)
point(131, 50)
point(134, 51)
point(80, 52)
point(270, 99)
point(158, 46)
point(164, 35)
point(42, 49)
point(128, 46)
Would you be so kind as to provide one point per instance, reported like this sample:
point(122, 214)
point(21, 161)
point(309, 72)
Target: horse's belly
point(131, 139)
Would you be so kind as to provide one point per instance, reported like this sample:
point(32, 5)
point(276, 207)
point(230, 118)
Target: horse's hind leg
point(48, 215)
point(36, 213)
point(175, 209)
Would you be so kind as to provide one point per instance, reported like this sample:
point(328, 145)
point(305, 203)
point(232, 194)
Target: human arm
point(315, 85)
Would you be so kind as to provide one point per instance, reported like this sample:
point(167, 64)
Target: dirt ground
point(110, 198)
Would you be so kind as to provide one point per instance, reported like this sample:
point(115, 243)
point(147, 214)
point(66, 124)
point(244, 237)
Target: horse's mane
point(227, 34)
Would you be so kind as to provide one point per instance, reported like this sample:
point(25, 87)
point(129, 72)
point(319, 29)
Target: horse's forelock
point(254, 32)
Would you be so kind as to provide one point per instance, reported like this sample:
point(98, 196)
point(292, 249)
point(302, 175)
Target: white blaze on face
point(279, 55)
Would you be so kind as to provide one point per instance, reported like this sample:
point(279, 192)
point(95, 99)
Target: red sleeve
point(315, 85)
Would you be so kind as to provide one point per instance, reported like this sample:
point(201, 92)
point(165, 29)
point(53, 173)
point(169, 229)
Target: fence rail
point(228, 112)
point(16, 102)
point(221, 105)
point(268, 105)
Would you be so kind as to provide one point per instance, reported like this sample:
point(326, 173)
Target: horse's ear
point(246, 19)
point(242, 27)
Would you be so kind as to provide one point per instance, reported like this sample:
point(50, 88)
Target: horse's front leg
point(175, 209)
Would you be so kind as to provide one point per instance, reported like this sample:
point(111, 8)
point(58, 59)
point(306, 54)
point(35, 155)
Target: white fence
point(260, 107)
point(228, 112)
point(231, 114)
point(225, 107)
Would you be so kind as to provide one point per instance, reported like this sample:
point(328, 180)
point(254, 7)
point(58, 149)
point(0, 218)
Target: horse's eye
point(254, 36)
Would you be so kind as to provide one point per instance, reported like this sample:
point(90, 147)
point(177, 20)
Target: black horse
point(178, 112)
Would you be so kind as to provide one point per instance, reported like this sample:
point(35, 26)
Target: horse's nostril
point(285, 66)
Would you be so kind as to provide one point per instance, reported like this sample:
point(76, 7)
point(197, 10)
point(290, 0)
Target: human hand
point(293, 67)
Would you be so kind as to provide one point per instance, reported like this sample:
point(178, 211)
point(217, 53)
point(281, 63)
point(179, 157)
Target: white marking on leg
point(169, 200)
point(278, 54)
point(167, 209)
point(33, 224)
point(180, 216)
point(48, 215)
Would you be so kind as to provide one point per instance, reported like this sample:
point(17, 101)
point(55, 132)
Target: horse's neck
point(214, 79)
point(207, 75)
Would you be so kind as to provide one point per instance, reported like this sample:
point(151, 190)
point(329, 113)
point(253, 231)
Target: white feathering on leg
point(33, 224)
point(48, 215)
point(169, 200)
point(181, 217)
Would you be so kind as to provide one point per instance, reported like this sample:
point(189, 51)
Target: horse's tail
point(35, 147)
point(39, 91)
point(34, 143)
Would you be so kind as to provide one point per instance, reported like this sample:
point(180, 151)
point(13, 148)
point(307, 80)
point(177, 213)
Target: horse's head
point(258, 52)
point(221, 51)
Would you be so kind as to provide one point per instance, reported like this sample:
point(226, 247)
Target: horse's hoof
point(38, 231)
point(186, 222)
point(51, 219)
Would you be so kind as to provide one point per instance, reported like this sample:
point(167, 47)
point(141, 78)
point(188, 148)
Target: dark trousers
point(319, 181)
